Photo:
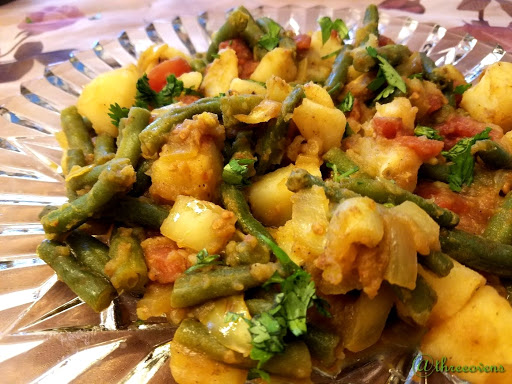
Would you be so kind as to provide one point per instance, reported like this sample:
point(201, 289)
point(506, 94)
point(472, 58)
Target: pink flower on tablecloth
point(50, 18)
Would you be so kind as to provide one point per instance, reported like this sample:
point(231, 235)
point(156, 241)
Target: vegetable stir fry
point(290, 201)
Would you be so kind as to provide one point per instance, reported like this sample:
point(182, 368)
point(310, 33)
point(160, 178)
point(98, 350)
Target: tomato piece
point(303, 42)
point(458, 127)
point(423, 147)
point(388, 127)
point(246, 62)
point(176, 66)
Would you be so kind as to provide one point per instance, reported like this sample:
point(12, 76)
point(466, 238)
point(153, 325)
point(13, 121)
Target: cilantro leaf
point(236, 171)
point(270, 40)
point(327, 26)
point(337, 176)
point(117, 113)
point(430, 133)
point(416, 76)
point(146, 97)
point(460, 89)
point(387, 74)
point(463, 162)
point(204, 260)
point(348, 103)
point(281, 255)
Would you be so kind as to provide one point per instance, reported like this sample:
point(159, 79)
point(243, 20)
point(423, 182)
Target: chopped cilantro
point(416, 76)
point(28, 20)
point(204, 260)
point(387, 74)
point(337, 176)
point(270, 40)
point(117, 113)
point(430, 133)
point(332, 54)
point(334, 89)
point(327, 26)
point(463, 162)
point(269, 329)
point(146, 97)
point(215, 55)
point(255, 373)
point(460, 89)
point(348, 103)
point(348, 131)
point(236, 171)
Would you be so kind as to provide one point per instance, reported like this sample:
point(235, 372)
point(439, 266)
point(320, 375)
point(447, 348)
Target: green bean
point(339, 72)
point(237, 104)
point(234, 201)
point(194, 335)
point(418, 303)
point(437, 262)
point(284, 40)
point(89, 251)
point(128, 147)
point(142, 179)
point(382, 191)
point(437, 172)
point(248, 251)
point(118, 176)
point(342, 162)
point(301, 179)
point(494, 155)
point(198, 64)
point(477, 252)
point(96, 291)
point(395, 54)
point(104, 148)
point(432, 73)
point(499, 226)
point(236, 22)
point(295, 361)
point(75, 130)
point(74, 157)
point(322, 345)
point(370, 25)
point(258, 306)
point(155, 134)
point(127, 267)
point(140, 211)
point(252, 34)
point(196, 288)
point(272, 145)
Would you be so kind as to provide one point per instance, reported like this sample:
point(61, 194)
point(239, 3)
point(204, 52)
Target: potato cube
point(476, 337)
point(198, 224)
point(117, 86)
point(278, 62)
point(318, 122)
point(221, 73)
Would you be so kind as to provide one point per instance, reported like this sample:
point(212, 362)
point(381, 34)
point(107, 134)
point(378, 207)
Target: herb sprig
point(237, 171)
point(463, 162)
point(147, 98)
point(327, 26)
point(204, 260)
point(386, 75)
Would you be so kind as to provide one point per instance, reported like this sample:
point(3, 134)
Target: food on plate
point(294, 202)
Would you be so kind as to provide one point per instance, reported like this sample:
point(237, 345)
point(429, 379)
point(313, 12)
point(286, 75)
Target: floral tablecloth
point(36, 33)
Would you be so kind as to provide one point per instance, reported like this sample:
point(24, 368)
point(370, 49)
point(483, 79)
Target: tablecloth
point(36, 33)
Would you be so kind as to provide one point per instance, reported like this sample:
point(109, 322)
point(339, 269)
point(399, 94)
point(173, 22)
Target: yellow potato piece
point(479, 335)
point(453, 291)
point(262, 113)
point(490, 101)
point(319, 95)
point(198, 224)
point(221, 73)
point(318, 122)
point(246, 87)
point(189, 367)
point(117, 86)
point(278, 62)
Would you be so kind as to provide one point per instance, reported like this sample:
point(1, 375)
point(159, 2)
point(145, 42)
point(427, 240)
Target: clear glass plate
point(47, 333)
